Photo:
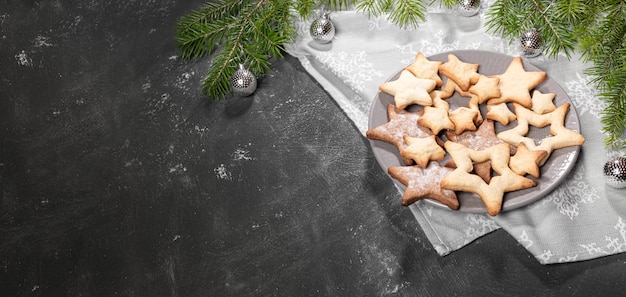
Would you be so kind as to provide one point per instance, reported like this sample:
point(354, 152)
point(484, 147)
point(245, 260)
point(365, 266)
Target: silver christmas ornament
point(531, 43)
point(615, 172)
point(322, 30)
point(243, 82)
point(468, 7)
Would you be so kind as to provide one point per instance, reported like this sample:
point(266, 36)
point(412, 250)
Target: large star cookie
point(401, 123)
point(408, 89)
point(516, 83)
point(561, 135)
point(424, 183)
point(492, 193)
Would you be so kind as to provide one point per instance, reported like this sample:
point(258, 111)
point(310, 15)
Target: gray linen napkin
point(579, 220)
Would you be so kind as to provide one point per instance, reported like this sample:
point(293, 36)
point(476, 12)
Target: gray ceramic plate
point(553, 172)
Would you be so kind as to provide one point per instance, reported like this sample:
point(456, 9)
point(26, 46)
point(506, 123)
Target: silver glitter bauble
point(243, 82)
point(615, 172)
point(322, 30)
point(468, 7)
point(531, 43)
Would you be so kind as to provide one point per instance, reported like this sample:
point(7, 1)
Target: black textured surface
point(118, 178)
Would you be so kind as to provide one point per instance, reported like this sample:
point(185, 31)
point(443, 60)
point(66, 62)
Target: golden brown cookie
point(561, 135)
point(527, 161)
point(422, 150)
point(408, 89)
point(464, 119)
point(500, 113)
point(463, 74)
point(486, 88)
point(490, 193)
point(424, 68)
point(436, 119)
point(542, 103)
point(516, 83)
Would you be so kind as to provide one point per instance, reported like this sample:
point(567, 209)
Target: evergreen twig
point(251, 32)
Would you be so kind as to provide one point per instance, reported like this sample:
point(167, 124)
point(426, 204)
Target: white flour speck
point(179, 168)
point(146, 86)
point(222, 172)
point(41, 41)
point(241, 154)
point(23, 59)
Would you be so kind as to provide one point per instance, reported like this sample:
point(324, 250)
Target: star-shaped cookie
point(561, 136)
point(482, 138)
point(486, 88)
point(464, 119)
point(401, 123)
point(490, 193)
point(424, 183)
point(436, 119)
point(542, 103)
point(422, 150)
point(500, 113)
point(527, 161)
point(463, 74)
point(516, 83)
point(408, 89)
point(424, 68)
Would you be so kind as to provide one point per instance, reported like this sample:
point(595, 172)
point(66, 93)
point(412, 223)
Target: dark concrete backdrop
point(119, 178)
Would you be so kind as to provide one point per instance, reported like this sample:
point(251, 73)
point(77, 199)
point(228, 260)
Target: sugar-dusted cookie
point(516, 83)
point(401, 123)
point(424, 68)
point(424, 183)
point(408, 89)
point(492, 193)
point(463, 74)
point(422, 150)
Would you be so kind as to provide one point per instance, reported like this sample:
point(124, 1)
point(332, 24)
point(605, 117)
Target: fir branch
point(240, 32)
point(605, 46)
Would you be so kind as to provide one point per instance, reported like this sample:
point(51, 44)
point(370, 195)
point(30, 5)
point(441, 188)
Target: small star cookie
point(527, 161)
point(542, 103)
point(500, 113)
point(422, 150)
point(486, 88)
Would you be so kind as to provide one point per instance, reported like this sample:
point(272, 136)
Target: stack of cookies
point(445, 150)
